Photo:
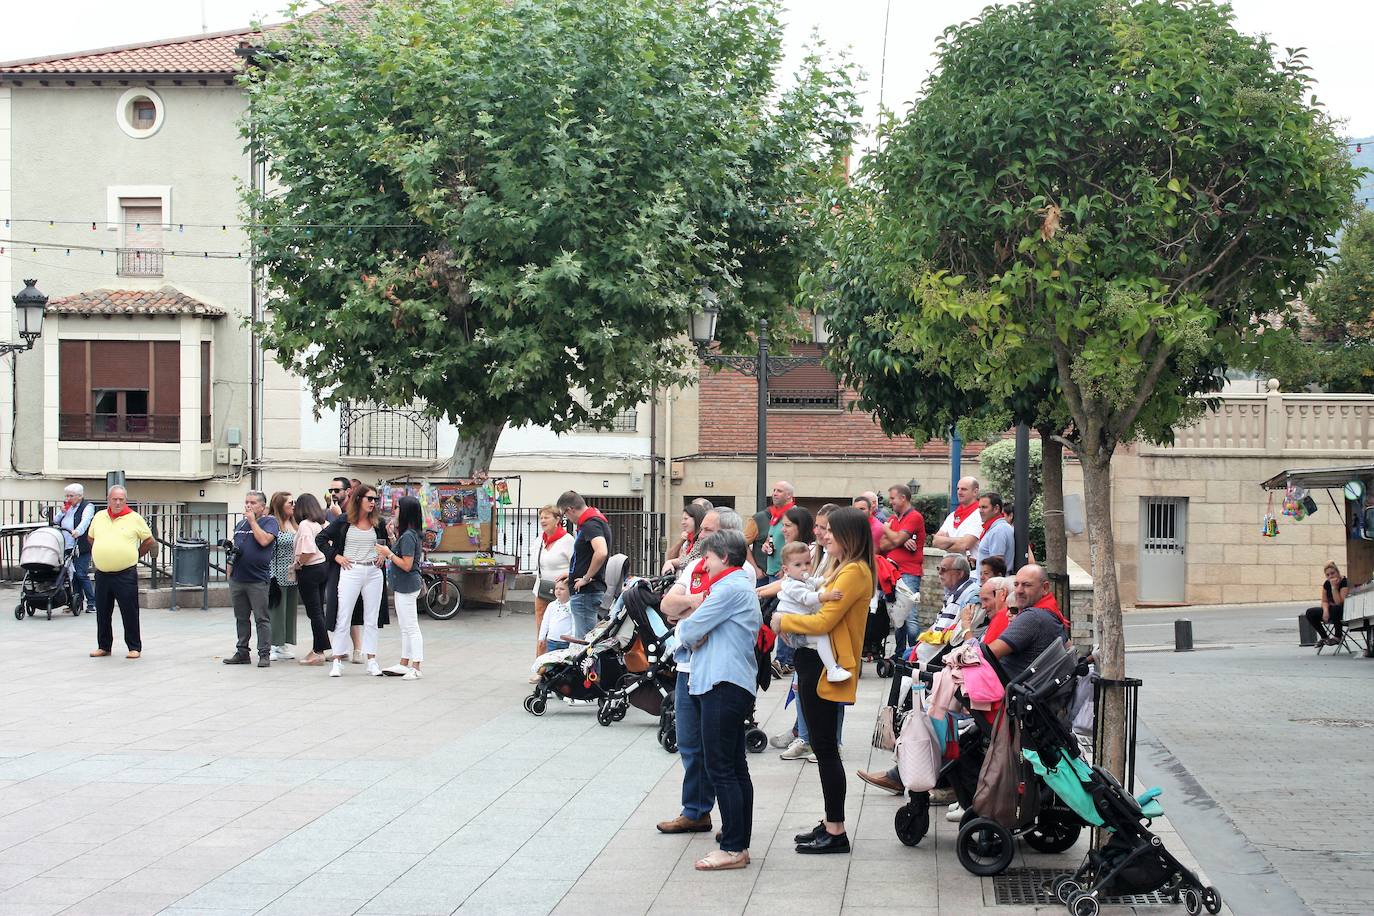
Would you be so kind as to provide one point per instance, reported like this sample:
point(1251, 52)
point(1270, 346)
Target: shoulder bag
point(544, 589)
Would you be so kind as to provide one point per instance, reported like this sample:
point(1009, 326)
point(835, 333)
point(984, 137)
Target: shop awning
point(1319, 478)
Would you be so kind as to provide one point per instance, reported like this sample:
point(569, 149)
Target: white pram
point(48, 575)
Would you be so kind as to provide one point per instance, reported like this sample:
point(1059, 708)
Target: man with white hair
point(119, 536)
point(74, 518)
point(961, 529)
point(764, 532)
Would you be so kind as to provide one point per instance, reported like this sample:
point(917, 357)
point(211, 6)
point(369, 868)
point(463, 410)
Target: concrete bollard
point(1183, 636)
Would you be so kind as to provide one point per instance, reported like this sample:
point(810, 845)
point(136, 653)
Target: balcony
point(110, 427)
point(378, 433)
point(140, 262)
point(804, 398)
point(1279, 425)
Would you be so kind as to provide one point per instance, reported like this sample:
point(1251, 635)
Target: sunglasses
point(336, 489)
point(371, 499)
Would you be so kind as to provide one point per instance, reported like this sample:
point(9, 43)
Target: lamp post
point(760, 366)
point(31, 305)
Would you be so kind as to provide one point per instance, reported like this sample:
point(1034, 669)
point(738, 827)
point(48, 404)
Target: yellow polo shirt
point(114, 541)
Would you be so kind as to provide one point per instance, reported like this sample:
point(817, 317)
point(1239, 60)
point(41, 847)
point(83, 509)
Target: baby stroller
point(1134, 860)
point(650, 673)
point(48, 574)
point(894, 604)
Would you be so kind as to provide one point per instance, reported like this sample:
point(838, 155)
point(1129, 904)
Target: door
point(1163, 540)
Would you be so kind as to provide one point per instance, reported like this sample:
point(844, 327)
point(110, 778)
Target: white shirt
point(973, 525)
point(557, 622)
point(553, 561)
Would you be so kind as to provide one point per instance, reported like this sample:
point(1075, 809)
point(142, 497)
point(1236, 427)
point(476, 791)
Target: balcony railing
point(627, 421)
point(103, 427)
point(375, 431)
point(1281, 425)
point(140, 262)
point(804, 399)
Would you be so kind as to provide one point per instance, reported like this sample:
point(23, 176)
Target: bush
point(998, 462)
point(933, 508)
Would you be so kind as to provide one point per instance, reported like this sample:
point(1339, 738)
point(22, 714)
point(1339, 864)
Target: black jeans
point(122, 587)
point(1337, 612)
point(312, 581)
point(823, 723)
point(723, 710)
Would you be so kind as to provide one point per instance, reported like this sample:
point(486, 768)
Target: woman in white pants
point(359, 574)
point(403, 573)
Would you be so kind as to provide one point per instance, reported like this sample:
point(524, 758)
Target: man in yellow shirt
point(119, 536)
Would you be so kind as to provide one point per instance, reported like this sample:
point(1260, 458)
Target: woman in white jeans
point(359, 574)
point(403, 573)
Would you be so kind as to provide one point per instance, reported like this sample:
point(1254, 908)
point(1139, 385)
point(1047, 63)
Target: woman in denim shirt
point(719, 637)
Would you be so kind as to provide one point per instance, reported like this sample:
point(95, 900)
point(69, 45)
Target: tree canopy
point(491, 205)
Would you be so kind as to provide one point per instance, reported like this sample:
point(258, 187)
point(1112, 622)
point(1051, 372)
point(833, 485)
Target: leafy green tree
point(1118, 191)
point(508, 209)
point(1330, 343)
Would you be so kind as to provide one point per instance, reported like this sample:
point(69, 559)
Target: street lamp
point(31, 305)
point(760, 366)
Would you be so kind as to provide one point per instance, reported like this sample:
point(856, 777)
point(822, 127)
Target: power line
point(203, 254)
point(223, 227)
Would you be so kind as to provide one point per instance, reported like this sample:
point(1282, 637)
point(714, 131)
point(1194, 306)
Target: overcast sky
point(1336, 34)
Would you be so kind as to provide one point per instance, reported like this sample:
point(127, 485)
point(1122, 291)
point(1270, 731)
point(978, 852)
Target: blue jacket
point(729, 619)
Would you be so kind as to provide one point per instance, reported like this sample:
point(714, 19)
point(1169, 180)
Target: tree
point(1118, 192)
point(1330, 342)
point(507, 209)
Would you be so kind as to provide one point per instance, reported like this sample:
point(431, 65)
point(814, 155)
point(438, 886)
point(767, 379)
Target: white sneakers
point(282, 653)
point(336, 668)
point(412, 674)
point(404, 672)
point(837, 675)
point(373, 668)
point(357, 657)
point(954, 814)
point(797, 750)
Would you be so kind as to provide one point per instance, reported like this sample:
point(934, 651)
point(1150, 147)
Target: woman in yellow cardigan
point(843, 620)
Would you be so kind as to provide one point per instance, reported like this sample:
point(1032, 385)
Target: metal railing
point(378, 431)
point(19, 516)
point(641, 536)
point(140, 262)
point(627, 421)
point(100, 427)
point(804, 399)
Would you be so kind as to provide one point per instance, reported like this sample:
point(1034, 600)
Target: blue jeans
point(552, 644)
point(81, 578)
point(723, 710)
point(584, 605)
point(697, 796)
point(906, 635)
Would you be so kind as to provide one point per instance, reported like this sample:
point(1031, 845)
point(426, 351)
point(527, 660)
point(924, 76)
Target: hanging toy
point(503, 492)
point(1269, 525)
point(474, 533)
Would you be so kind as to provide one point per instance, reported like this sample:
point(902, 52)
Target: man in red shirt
point(869, 507)
point(904, 543)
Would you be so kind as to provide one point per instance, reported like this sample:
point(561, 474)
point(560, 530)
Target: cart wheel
point(756, 740)
point(883, 667)
point(985, 847)
point(618, 711)
point(529, 703)
point(1211, 900)
point(30, 612)
point(604, 714)
point(1081, 904)
point(1065, 887)
point(667, 738)
point(912, 823)
point(1192, 901)
point(537, 706)
point(443, 599)
point(1053, 832)
point(19, 611)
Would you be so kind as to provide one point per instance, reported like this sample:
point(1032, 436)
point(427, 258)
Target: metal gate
point(1163, 540)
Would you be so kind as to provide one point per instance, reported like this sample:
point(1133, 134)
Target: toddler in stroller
point(48, 572)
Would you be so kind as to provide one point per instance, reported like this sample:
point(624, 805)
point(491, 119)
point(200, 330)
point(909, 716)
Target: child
point(799, 595)
point(558, 620)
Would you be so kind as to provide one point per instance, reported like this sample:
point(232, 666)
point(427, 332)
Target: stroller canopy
point(43, 550)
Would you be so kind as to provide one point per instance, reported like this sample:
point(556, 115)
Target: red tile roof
point(212, 54)
point(168, 301)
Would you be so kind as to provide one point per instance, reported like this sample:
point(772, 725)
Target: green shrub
point(998, 462)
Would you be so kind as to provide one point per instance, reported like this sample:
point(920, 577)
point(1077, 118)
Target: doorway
point(1163, 543)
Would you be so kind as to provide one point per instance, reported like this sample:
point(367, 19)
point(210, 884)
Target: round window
point(139, 113)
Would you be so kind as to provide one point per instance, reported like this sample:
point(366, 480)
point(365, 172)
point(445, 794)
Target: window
point(141, 228)
point(627, 421)
point(119, 390)
point(140, 113)
point(806, 387)
point(145, 113)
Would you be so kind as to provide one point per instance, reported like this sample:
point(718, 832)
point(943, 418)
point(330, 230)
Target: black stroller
point(48, 575)
point(650, 674)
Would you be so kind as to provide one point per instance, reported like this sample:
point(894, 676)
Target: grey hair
point(76, 488)
point(729, 519)
point(999, 584)
point(727, 543)
point(258, 495)
point(960, 562)
point(110, 492)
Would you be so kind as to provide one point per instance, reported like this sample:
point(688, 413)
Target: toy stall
point(464, 522)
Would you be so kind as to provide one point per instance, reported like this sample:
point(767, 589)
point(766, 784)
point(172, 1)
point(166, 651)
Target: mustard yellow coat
point(844, 621)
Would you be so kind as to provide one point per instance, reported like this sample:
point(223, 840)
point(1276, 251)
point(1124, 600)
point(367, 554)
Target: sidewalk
point(176, 784)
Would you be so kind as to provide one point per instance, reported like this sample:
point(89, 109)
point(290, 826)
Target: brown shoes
point(881, 781)
point(99, 653)
point(682, 824)
point(134, 653)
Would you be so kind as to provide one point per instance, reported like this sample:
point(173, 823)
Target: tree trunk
point(1056, 559)
point(1111, 652)
point(473, 450)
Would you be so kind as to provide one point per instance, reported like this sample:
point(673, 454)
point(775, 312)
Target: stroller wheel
point(756, 739)
point(985, 847)
point(605, 715)
point(1053, 832)
point(1192, 901)
point(1211, 899)
point(19, 612)
point(667, 737)
point(883, 667)
point(618, 711)
point(537, 706)
point(529, 703)
point(912, 822)
point(1081, 904)
point(30, 612)
point(1065, 887)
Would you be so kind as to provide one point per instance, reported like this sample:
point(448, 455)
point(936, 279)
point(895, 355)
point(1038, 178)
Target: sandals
point(720, 860)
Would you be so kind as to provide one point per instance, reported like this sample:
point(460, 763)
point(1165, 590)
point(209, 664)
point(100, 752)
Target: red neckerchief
point(776, 513)
point(125, 511)
point(697, 581)
point(550, 541)
point(709, 581)
point(1048, 603)
point(962, 512)
point(988, 524)
point(589, 513)
point(687, 541)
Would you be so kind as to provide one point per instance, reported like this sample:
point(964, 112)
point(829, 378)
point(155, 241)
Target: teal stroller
point(1134, 860)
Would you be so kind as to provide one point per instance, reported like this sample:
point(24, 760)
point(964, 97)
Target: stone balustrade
point(1277, 424)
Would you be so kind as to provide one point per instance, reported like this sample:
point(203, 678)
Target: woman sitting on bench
point(1335, 589)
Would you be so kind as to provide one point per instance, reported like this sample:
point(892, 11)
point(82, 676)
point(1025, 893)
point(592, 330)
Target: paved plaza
point(176, 784)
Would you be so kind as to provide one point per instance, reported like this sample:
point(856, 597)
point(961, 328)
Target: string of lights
point(96, 224)
point(35, 246)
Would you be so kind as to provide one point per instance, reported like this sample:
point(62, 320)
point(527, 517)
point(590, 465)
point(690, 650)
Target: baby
point(799, 595)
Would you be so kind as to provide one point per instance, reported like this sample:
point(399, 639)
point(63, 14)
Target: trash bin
point(191, 563)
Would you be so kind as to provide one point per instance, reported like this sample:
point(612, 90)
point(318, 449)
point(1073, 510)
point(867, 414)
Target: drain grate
point(1031, 887)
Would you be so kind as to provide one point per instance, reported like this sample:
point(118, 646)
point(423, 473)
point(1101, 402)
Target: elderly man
point(961, 529)
point(1035, 627)
point(74, 518)
point(249, 576)
point(993, 596)
point(764, 532)
point(998, 540)
point(681, 600)
point(119, 536)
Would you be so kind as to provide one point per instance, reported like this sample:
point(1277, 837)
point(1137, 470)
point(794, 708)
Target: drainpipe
point(653, 452)
point(255, 378)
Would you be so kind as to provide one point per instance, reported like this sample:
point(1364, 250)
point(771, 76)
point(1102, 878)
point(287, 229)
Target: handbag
point(999, 780)
point(544, 588)
point(919, 752)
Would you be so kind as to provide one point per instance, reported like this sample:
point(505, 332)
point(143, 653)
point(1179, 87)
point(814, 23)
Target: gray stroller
point(48, 575)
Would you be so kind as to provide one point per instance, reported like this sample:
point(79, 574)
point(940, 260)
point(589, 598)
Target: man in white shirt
point(961, 529)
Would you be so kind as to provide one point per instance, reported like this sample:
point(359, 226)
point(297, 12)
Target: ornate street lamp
point(31, 305)
point(760, 366)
